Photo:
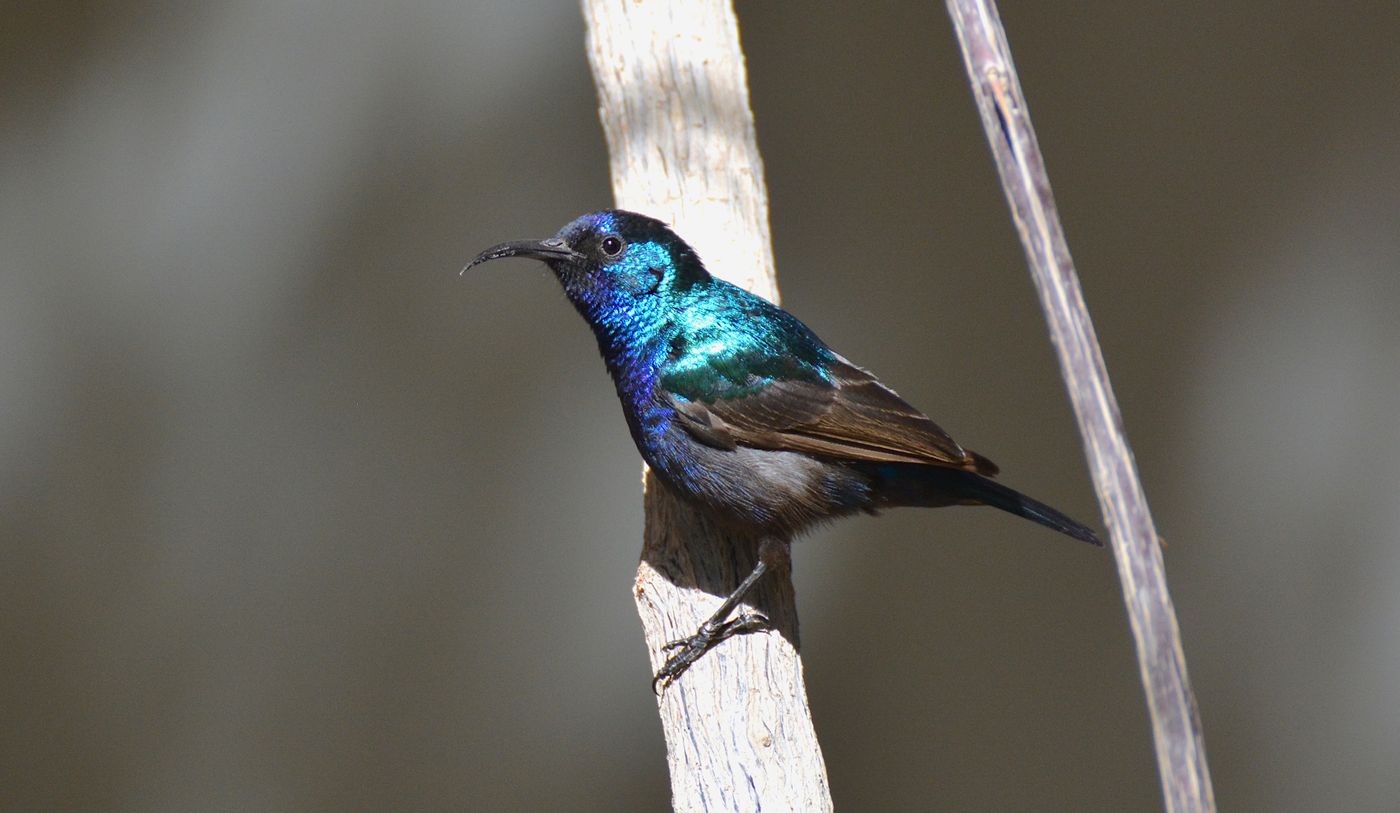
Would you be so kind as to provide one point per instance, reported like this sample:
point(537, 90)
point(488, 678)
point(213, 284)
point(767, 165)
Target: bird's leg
point(719, 626)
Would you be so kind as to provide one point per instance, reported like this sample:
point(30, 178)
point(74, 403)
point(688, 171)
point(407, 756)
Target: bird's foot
point(710, 635)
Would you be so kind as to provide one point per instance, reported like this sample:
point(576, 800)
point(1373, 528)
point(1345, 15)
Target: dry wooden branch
point(1176, 723)
point(673, 99)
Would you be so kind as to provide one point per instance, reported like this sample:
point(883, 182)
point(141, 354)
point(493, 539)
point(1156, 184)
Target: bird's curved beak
point(551, 250)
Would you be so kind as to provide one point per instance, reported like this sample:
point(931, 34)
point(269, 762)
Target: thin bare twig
point(1176, 724)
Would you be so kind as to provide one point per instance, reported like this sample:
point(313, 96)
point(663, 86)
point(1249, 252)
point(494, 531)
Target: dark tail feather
point(930, 486)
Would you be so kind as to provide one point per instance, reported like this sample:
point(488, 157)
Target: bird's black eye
point(612, 245)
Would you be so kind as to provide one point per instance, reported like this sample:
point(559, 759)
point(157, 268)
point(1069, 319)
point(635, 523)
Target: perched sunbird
point(741, 410)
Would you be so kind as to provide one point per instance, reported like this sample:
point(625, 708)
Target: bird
point(742, 411)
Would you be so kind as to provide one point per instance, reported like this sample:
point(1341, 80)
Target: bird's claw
point(706, 638)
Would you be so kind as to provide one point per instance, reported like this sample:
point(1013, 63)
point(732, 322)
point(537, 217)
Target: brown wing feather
point(853, 417)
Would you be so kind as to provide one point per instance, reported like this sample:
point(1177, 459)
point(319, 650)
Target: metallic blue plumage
point(739, 408)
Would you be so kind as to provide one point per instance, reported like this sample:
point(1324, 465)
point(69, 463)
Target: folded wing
point(840, 412)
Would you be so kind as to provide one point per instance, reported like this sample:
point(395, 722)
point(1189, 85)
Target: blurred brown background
point(292, 518)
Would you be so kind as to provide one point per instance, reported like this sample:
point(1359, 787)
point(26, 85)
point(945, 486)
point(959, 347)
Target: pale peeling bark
point(1176, 723)
point(673, 99)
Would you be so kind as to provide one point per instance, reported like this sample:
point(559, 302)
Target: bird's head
point(611, 261)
